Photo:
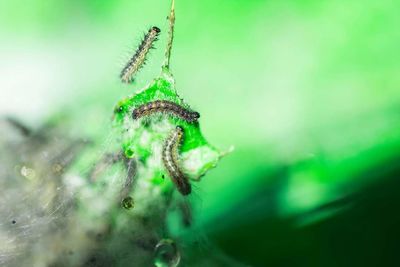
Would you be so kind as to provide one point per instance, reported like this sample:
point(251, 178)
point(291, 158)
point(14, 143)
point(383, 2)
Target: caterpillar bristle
point(165, 106)
point(170, 160)
point(139, 58)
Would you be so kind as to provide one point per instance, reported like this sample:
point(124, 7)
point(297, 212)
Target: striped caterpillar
point(138, 59)
point(170, 160)
point(165, 106)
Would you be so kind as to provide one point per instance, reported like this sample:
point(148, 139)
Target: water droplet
point(57, 168)
point(166, 254)
point(129, 153)
point(28, 173)
point(127, 203)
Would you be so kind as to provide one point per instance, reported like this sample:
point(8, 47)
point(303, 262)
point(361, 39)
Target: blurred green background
point(306, 91)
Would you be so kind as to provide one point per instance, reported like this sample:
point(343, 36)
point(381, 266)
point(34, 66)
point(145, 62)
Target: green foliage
point(144, 138)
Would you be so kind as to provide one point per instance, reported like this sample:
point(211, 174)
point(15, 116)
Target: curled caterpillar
point(170, 160)
point(165, 106)
point(138, 59)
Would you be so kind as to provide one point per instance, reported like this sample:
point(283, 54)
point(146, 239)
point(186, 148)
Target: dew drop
point(166, 254)
point(127, 203)
point(129, 153)
point(57, 168)
point(28, 173)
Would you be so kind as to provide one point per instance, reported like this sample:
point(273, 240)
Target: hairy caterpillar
point(165, 106)
point(170, 160)
point(138, 59)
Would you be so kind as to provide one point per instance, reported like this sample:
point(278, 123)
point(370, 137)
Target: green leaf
point(144, 138)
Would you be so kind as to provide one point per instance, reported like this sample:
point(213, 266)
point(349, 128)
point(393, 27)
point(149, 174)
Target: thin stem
point(171, 19)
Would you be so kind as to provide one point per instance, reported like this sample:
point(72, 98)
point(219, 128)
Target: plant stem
point(171, 19)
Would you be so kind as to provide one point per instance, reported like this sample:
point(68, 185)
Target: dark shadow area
point(366, 233)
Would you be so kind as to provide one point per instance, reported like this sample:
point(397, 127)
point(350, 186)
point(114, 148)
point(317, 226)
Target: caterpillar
point(138, 59)
point(170, 160)
point(165, 106)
